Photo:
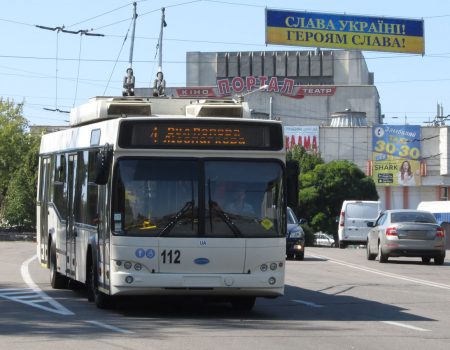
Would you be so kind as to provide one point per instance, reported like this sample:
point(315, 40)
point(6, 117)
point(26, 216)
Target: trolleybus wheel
point(102, 301)
point(243, 303)
point(57, 280)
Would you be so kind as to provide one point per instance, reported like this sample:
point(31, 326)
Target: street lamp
point(240, 98)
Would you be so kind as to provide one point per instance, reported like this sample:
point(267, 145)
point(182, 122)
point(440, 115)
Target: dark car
point(295, 238)
point(406, 232)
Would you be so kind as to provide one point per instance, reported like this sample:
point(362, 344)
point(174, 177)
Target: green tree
point(323, 189)
point(19, 205)
point(307, 161)
point(12, 146)
point(18, 167)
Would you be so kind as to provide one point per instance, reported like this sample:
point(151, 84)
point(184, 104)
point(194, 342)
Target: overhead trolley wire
point(118, 56)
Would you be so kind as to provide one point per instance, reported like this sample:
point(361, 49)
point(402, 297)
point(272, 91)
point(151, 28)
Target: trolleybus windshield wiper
point(214, 206)
point(188, 205)
point(177, 217)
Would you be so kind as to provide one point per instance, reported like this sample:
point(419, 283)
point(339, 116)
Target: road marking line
point(307, 303)
point(17, 291)
point(35, 291)
point(406, 326)
point(111, 328)
point(386, 274)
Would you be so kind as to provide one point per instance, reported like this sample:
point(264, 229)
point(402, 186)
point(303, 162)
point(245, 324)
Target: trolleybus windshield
point(190, 198)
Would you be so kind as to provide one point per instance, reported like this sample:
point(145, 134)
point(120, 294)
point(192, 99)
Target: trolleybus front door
point(43, 207)
point(71, 232)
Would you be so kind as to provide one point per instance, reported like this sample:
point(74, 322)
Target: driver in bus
point(239, 205)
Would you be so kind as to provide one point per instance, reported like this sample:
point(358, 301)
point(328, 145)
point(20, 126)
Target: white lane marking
point(20, 295)
point(307, 303)
point(386, 274)
point(111, 328)
point(406, 326)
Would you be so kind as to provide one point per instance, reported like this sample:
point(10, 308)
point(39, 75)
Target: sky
point(49, 70)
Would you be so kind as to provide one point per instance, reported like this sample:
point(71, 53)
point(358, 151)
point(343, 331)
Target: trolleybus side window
point(59, 197)
point(87, 190)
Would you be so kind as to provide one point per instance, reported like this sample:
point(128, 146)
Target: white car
point(323, 240)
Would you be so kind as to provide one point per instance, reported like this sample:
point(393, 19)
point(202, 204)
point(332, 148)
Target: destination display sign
point(200, 134)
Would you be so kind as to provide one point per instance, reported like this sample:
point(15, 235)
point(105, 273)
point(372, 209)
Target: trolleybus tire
point(101, 300)
point(57, 280)
point(243, 303)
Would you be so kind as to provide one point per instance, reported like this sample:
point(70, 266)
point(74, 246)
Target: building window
point(443, 193)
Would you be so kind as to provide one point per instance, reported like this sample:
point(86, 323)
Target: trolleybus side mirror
point(292, 173)
point(103, 165)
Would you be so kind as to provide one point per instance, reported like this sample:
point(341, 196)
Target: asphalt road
point(334, 299)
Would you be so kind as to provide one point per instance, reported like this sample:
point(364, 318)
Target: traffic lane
point(355, 292)
point(403, 265)
point(273, 322)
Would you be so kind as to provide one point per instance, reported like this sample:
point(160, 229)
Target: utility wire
point(16, 22)
point(78, 72)
point(98, 16)
point(117, 59)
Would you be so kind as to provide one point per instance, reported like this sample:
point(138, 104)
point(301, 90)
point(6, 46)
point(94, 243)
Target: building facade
point(328, 102)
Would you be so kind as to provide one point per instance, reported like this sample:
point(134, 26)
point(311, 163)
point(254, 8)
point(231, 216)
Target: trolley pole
point(129, 79)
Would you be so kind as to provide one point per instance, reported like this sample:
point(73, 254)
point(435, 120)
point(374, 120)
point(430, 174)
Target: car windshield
point(291, 218)
point(190, 198)
point(412, 217)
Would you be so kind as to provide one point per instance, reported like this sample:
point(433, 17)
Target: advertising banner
point(344, 31)
point(396, 155)
point(306, 136)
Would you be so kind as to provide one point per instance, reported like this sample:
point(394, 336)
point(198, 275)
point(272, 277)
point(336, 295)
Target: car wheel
point(300, 256)
point(382, 258)
point(289, 256)
point(439, 260)
point(426, 259)
point(370, 256)
point(342, 245)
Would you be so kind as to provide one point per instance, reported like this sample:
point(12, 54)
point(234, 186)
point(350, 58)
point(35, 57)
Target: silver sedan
point(406, 232)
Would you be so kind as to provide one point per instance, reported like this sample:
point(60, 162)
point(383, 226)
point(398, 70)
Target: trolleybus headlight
point(127, 265)
point(272, 280)
point(273, 266)
point(130, 279)
point(263, 267)
point(118, 262)
point(138, 267)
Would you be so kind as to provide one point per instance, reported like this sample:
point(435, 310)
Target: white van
point(441, 211)
point(353, 221)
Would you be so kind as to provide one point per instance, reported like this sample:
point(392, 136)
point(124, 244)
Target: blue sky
point(410, 86)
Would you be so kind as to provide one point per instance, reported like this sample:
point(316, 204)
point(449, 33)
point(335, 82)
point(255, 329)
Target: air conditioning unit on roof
point(101, 108)
point(218, 108)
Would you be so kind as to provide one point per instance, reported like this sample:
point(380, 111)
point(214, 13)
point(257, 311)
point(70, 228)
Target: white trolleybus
point(165, 197)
